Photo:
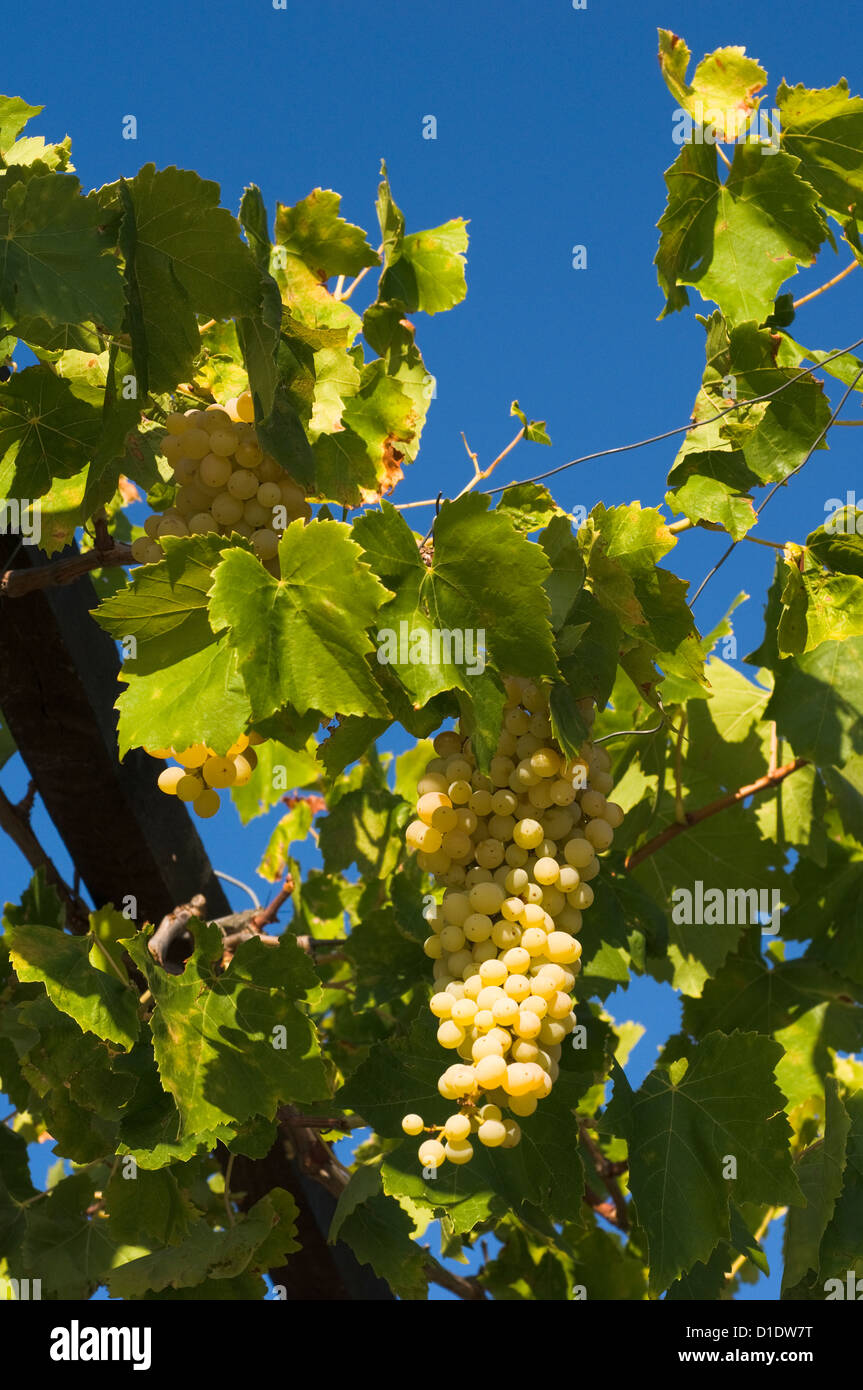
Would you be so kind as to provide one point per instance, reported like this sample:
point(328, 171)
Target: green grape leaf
point(15, 113)
point(98, 1003)
point(817, 607)
point(820, 1170)
point(816, 702)
point(197, 700)
point(184, 255)
point(149, 1206)
point(364, 828)
point(71, 1251)
point(301, 640)
point(737, 242)
point(838, 544)
point(726, 1104)
point(54, 264)
point(531, 507)
point(46, 431)
point(566, 580)
point(233, 1045)
point(746, 994)
point(16, 1188)
point(387, 962)
point(279, 770)
point(151, 1127)
point(701, 496)
point(165, 605)
point(487, 578)
point(379, 1233)
point(265, 1235)
point(534, 430)
point(840, 1252)
point(424, 270)
point(723, 88)
point(824, 130)
point(276, 860)
point(425, 657)
point(313, 231)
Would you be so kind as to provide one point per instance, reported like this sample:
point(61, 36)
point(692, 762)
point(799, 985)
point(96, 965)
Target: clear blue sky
point(553, 129)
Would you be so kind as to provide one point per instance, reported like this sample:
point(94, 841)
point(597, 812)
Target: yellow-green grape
point(243, 769)
point(459, 1153)
point(245, 406)
point(224, 441)
point(457, 1128)
point(256, 515)
point(193, 756)
point(189, 787)
point(492, 1132)
point(146, 551)
point(431, 1153)
point(243, 484)
point(214, 470)
point(269, 495)
point(185, 470)
point(169, 778)
point(172, 448)
point(207, 804)
point(413, 1124)
point(196, 443)
point(215, 418)
point(249, 454)
point(172, 526)
point(266, 544)
point(226, 510)
point(201, 524)
point(219, 772)
point(176, 423)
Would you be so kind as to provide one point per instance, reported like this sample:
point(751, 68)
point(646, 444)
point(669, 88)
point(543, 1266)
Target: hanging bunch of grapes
point(226, 483)
point(516, 851)
point(199, 774)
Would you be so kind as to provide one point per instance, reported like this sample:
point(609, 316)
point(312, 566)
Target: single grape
point(207, 804)
point(169, 778)
point(219, 772)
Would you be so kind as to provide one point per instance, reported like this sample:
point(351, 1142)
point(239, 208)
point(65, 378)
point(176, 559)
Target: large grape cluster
point(226, 483)
point(516, 851)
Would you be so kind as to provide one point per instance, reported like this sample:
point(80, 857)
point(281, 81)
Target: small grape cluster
point(226, 483)
point(515, 851)
point(201, 773)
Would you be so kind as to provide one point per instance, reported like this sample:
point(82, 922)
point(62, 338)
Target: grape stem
point(691, 818)
point(813, 294)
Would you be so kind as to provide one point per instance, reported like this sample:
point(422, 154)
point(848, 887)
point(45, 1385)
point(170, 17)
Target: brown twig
point(265, 915)
point(14, 583)
point(19, 830)
point(763, 784)
point(604, 1168)
point(345, 1122)
point(466, 1288)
